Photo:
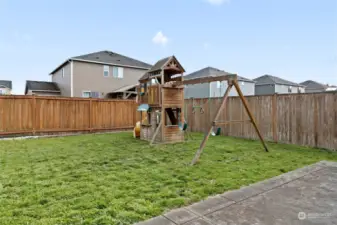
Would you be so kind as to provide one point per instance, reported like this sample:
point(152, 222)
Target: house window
point(290, 89)
point(105, 71)
point(117, 72)
point(218, 84)
point(242, 83)
point(90, 94)
point(86, 94)
point(94, 94)
point(62, 72)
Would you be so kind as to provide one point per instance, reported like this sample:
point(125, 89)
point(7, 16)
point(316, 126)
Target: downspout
point(71, 78)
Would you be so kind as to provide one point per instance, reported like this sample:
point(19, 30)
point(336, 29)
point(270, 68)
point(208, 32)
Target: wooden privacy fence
point(302, 119)
point(42, 114)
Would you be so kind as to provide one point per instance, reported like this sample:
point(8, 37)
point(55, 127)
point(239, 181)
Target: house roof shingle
point(310, 84)
point(269, 79)
point(108, 57)
point(6, 83)
point(212, 72)
point(41, 86)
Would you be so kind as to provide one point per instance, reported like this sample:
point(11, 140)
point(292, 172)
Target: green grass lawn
point(115, 179)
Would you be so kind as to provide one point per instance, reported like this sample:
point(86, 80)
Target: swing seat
point(182, 126)
point(217, 132)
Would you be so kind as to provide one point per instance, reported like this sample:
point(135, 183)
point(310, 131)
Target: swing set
point(214, 130)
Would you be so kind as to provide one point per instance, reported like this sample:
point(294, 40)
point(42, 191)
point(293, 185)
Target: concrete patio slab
point(209, 205)
point(180, 216)
point(199, 221)
point(304, 196)
point(159, 220)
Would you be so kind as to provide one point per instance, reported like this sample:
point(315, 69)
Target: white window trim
point(104, 70)
point(85, 91)
point(120, 74)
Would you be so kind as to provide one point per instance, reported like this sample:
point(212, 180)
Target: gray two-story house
point(215, 89)
point(97, 74)
point(268, 84)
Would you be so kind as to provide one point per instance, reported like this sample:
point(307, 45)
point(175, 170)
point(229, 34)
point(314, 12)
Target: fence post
point(315, 119)
point(274, 117)
point(90, 115)
point(33, 113)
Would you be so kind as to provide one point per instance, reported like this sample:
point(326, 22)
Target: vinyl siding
point(63, 82)
point(247, 88)
point(89, 77)
point(267, 89)
point(207, 90)
point(5, 91)
point(40, 93)
point(284, 89)
point(197, 91)
point(313, 90)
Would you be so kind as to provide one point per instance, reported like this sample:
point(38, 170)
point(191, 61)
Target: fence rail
point(42, 114)
point(302, 119)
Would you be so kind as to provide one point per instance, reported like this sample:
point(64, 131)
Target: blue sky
point(292, 39)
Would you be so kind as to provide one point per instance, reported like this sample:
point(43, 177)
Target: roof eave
point(61, 65)
point(97, 62)
point(44, 90)
point(110, 64)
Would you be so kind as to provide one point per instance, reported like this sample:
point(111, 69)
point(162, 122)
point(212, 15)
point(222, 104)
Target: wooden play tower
point(161, 101)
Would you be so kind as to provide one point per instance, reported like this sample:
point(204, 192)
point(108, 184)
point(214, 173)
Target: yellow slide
point(136, 130)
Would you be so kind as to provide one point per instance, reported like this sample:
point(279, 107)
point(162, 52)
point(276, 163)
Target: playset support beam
point(202, 80)
point(245, 104)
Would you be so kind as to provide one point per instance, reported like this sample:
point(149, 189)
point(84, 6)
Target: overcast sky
point(292, 39)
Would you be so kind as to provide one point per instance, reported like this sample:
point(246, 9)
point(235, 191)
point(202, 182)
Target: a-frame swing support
point(232, 81)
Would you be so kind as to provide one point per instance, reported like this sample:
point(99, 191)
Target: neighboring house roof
point(6, 83)
point(212, 72)
point(41, 86)
point(125, 88)
point(159, 65)
point(269, 79)
point(310, 84)
point(109, 58)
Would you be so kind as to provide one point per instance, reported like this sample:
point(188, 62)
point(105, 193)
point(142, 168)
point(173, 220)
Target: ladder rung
point(229, 122)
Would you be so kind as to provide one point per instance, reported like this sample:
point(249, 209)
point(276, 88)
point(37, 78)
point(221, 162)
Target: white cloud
point(217, 2)
point(22, 37)
point(160, 39)
point(206, 45)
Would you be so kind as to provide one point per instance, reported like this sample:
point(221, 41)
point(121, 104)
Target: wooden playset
point(161, 102)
